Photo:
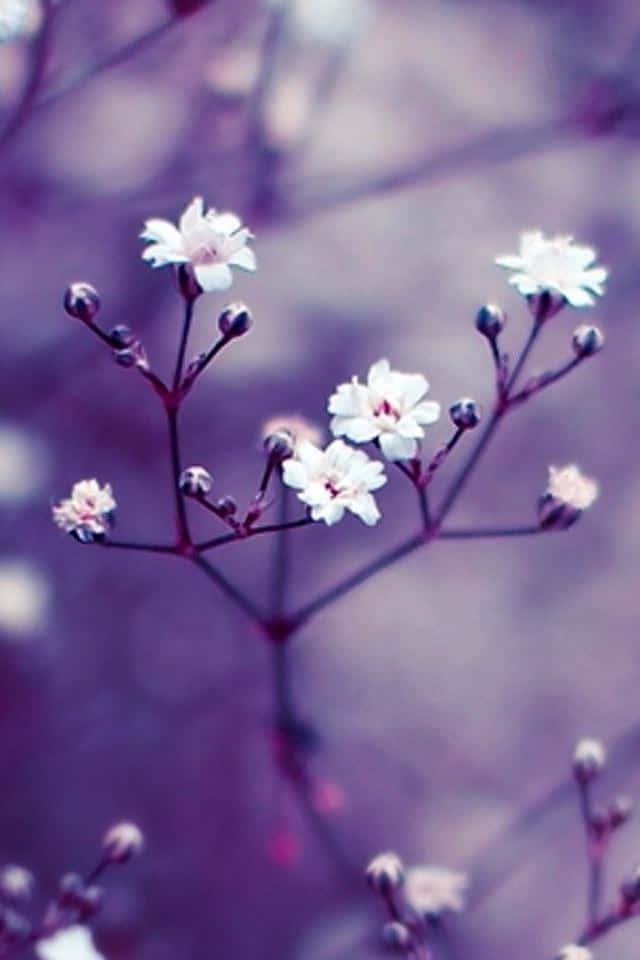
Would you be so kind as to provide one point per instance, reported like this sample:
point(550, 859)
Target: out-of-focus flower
point(87, 513)
point(14, 17)
point(389, 409)
point(122, 841)
point(589, 758)
point(211, 242)
point(432, 890)
point(295, 427)
point(573, 952)
point(24, 598)
point(23, 464)
point(385, 872)
point(334, 480)
point(555, 265)
point(330, 23)
point(74, 943)
point(568, 494)
point(16, 882)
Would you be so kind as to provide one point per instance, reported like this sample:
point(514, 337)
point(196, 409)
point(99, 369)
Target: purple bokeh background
point(449, 691)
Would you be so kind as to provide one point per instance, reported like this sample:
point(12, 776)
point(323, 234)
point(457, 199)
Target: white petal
point(409, 427)
point(578, 297)
point(192, 215)
point(310, 455)
point(510, 262)
point(366, 508)
point(294, 474)
point(378, 371)
point(161, 255)
point(396, 447)
point(226, 222)
point(244, 258)
point(358, 429)
point(161, 231)
point(413, 386)
point(426, 412)
point(213, 276)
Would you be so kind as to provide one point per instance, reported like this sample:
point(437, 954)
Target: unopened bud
point(465, 414)
point(620, 810)
point(121, 337)
point(132, 356)
point(587, 340)
point(15, 928)
point(90, 900)
point(195, 481)
point(122, 842)
point(385, 872)
point(396, 934)
point(70, 889)
point(82, 301)
point(588, 759)
point(280, 445)
point(490, 321)
point(187, 283)
point(235, 320)
point(16, 882)
point(226, 506)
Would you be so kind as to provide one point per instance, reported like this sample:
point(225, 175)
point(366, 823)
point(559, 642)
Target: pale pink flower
point(334, 480)
point(569, 486)
point(389, 409)
point(87, 513)
point(211, 242)
point(556, 265)
point(431, 890)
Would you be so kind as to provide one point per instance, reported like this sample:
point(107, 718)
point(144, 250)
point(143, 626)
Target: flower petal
point(213, 276)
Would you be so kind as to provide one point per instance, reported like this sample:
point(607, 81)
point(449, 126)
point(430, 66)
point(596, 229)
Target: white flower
point(570, 487)
point(211, 242)
point(74, 943)
point(573, 952)
point(589, 756)
point(334, 480)
point(14, 16)
point(432, 890)
point(87, 512)
point(556, 265)
point(24, 599)
point(389, 409)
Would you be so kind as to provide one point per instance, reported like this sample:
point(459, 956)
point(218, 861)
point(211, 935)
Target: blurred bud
point(297, 428)
point(226, 506)
point(16, 882)
point(630, 889)
point(235, 320)
point(465, 414)
point(90, 900)
point(490, 321)
point(599, 822)
point(280, 445)
point(187, 283)
point(385, 872)
point(397, 935)
point(122, 841)
point(132, 356)
point(588, 759)
point(82, 301)
point(70, 889)
point(14, 927)
point(121, 337)
point(587, 340)
point(620, 810)
point(195, 481)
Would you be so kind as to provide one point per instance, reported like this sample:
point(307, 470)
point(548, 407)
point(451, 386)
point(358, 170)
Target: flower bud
point(226, 506)
point(14, 927)
point(465, 414)
point(122, 841)
point(16, 882)
point(90, 900)
point(620, 810)
point(235, 320)
point(82, 301)
point(195, 481)
point(490, 321)
point(588, 759)
point(132, 356)
point(121, 337)
point(587, 340)
point(630, 889)
point(280, 445)
point(70, 889)
point(396, 934)
point(385, 872)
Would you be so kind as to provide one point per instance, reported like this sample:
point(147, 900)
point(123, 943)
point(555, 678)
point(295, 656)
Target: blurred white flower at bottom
point(23, 464)
point(432, 890)
point(17, 17)
point(74, 943)
point(24, 598)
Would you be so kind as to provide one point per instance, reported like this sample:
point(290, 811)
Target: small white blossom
point(211, 242)
point(432, 890)
point(385, 872)
point(589, 757)
point(334, 480)
point(555, 265)
point(389, 409)
point(16, 882)
point(567, 485)
point(14, 17)
point(87, 512)
point(24, 599)
point(573, 952)
point(74, 943)
point(122, 841)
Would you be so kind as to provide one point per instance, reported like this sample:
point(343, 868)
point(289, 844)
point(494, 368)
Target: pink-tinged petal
point(377, 372)
point(366, 508)
point(226, 223)
point(192, 215)
point(578, 297)
point(213, 276)
point(294, 474)
point(395, 447)
point(161, 231)
point(426, 412)
point(244, 258)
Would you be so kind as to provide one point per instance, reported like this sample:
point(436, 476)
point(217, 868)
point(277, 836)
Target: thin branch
point(233, 592)
point(147, 547)
point(490, 532)
point(253, 531)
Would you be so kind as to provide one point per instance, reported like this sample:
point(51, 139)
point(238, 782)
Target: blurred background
point(383, 152)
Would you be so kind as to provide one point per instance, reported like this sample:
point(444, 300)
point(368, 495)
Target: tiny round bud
point(385, 872)
point(397, 935)
point(122, 841)
point(587, 340)
point(588, 759)
point(90, 900)
point(82, 301)
point(121, 337)
point(132, 356)
point(235, 320)
point(465, 414)
point(280, 445)
point(490, 321)
point(226, 506)
point(16, 882)
point(620, 810)
point(70, 889)
point(195, 481)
